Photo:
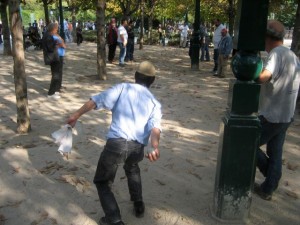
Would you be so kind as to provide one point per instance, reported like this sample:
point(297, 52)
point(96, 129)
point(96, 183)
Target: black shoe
point(103, 221)
point(257, 190)
point(139, 209)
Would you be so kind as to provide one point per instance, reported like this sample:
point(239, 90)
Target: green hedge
point(89, 35)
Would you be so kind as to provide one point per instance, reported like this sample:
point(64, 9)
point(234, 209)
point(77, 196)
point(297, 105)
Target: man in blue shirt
point(136, 118)
point(225, 48)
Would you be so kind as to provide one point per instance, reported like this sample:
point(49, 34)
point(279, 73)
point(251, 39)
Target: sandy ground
point(39, 187)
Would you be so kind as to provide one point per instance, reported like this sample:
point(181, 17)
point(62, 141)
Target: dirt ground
point(40, 187)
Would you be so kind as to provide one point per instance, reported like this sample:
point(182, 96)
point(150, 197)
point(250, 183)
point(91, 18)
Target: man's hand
point(153, 156)
point(72, 120)
point(89, 105)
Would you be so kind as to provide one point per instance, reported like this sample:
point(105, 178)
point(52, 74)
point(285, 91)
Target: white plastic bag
point(63, 137)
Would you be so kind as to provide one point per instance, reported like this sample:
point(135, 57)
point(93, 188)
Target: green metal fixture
point(240, 128)
point(195, 43)
point(61, 21)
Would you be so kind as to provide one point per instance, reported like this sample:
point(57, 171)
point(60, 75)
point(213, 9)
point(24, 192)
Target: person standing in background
point(56, 66)
point(79, 37)
point(130, 43)
point(216, 39)
point(225, 48)
point(184, 35)
point(122, 41)
point(205, 39)
point(279, 80)
point(112, 40)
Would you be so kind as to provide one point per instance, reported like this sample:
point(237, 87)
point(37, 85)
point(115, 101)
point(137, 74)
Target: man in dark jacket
point(112, 36)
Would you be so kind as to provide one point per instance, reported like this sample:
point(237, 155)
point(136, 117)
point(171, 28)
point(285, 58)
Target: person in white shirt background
point(216, 39)
point(122, 41)
point(183, 35)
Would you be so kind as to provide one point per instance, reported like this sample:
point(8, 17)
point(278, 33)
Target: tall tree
point(151, 5)
point(46, 3)
point(23, 116)
point(231, 10)
point(296, 34)
point(5, 27)
point(129, 7)
point(101, 52)
point(142, 5)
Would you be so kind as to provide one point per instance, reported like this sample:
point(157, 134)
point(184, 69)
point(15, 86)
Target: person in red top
point(112, 36)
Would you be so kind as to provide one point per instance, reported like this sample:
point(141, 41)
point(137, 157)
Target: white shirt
point(184, 31)
point(278, 96)
point(122, 31)
point(217, 35)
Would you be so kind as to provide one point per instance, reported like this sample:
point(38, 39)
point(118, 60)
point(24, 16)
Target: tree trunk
point(101, 51)
point(231, 14)
point(23, 117)
point(150, 25)
point(142, 25)
point(295, 47)
point(46, 11)
point(73, 15)
point(5, 28)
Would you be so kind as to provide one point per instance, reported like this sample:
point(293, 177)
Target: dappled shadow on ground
point(41, 187)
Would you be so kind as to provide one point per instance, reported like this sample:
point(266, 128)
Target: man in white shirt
point(66, 29)
point(183, 35)
point(122, 41)
point(216, 39)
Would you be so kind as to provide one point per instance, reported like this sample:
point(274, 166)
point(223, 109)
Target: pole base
point(227, 221)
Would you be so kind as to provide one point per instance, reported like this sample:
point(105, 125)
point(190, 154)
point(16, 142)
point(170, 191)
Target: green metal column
point(61, 20)
point(195, 44)
point(240, 128)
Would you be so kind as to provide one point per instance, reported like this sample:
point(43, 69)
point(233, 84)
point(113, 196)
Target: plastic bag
point(63, 137)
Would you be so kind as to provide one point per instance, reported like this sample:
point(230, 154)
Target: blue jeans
point(204, 52)
point(122, 53)
point(270, 163)
point(216, 57)
point(117, 151)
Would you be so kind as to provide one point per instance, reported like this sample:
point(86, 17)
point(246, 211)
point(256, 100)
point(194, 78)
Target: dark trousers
point(270, 163)
point(112, 51)
point(129, 50)
point(79, 38)
point(56, 76)
point(216, 57)
point(117, 151)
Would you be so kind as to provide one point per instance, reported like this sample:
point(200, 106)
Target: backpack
point(49, 49)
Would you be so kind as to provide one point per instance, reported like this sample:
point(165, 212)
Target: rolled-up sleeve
point(155, 119)
point(108, 98)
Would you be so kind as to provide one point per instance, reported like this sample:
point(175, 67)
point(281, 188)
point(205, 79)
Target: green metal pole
point(239, 136)
point(195, 44)
point(61, 21)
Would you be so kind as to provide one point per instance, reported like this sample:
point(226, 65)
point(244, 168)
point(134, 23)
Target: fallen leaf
point(292, 194)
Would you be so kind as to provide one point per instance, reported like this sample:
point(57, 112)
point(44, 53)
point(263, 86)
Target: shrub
point(89, 35)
